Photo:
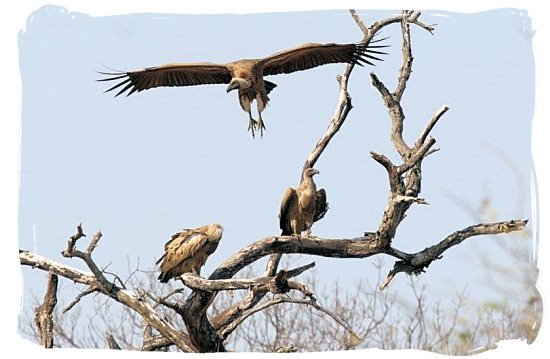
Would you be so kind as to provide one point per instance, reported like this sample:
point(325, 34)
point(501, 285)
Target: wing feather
point(311, 55)
point(168, 75)
point(180, 252)
point(287, 210)
point(321, 205)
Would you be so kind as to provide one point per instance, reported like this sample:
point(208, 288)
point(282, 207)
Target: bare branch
point(423, 258)
point(155, 342)
point(297, 271)
point(284, 299)
point(111, 342)
point(36, 261)
point(359, 22)
point(406, 68)
point(115, 278)
point(431, 124)
point(409, 199)
point(416, 157)
point(72, 241)
point(383, 160)
point(396, 114)
point(177, 307)
point(43, 318)
point(343, 107)
point(286, 349)
point(93, 243)
point(275, 284)
point(87, 291)
point(125, 297)
point(251, 299)
point(272, 264)
point(413, 19)
point(416, 263)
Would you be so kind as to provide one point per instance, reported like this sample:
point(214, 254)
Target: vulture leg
point(244, 100)
point(252, 124)
point(260, 105)
point(261, 124)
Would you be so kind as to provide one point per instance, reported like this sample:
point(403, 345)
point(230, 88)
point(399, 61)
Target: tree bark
point(43, 317)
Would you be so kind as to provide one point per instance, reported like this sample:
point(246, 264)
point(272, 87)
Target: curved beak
point(315, 172)
point(232, 86)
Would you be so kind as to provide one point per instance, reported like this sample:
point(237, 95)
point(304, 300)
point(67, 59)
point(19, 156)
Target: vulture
point(188, 250)
point(303, 206)
point(247, 75)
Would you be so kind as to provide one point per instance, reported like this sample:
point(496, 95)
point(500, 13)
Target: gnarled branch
point(417, 262)
point(43, 317)
point(123, 296)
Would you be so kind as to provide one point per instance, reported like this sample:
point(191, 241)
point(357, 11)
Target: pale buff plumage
point(303, 206)
point(188, 250)
point(246, 75)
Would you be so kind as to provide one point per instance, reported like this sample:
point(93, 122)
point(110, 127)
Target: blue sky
point(141, 168)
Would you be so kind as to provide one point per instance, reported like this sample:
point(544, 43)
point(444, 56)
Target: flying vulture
point(246, 75)
point(188, 250)
point(303, 206)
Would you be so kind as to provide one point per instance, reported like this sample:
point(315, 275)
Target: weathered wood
point(122, 296)
point(111, 342)
point(93, 243)
point(72, 240)
point(199, 283)
point(43, 317)
point(417, 262)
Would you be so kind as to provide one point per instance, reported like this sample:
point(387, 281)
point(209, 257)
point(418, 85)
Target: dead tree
point(43, 318)
point(207, 333)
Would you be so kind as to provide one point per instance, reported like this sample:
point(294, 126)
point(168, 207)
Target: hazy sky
point(143, 167)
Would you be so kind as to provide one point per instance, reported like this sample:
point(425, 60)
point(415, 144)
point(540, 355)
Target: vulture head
point(238, 83)
point(310, 172)
point(214, 232)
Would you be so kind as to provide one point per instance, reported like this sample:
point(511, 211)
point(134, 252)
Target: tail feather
point(163, 277)
point(269, 86)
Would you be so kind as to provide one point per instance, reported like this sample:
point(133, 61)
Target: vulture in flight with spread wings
point(246, 75)
point(188, 250)
point(303, 206)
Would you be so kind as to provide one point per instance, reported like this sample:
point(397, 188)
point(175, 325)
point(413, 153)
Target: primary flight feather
point(247, 75)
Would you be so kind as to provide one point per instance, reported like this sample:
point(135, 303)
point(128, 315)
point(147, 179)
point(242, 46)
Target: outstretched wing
point(289, 205)
point(181, 254)
point(311, 55)
point(321, 205)
point(168, 75)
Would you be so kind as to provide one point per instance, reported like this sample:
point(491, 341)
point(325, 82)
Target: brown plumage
point(188, 250)
point(303, 206)
point(246, 75)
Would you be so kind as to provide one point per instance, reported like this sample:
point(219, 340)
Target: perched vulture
point(188, 250)
point(303, 206)
point(246, 75)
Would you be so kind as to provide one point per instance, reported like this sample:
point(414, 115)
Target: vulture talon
point(252, 124)
point(261, 127)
